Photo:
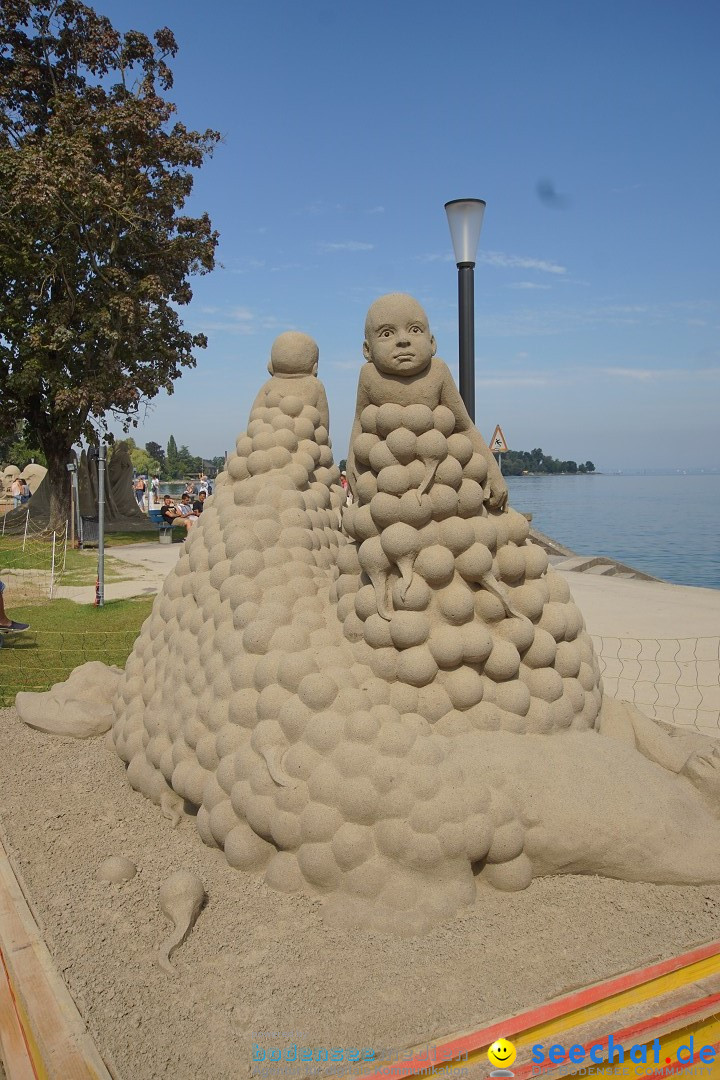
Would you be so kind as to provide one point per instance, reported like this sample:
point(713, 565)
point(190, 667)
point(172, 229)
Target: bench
point(164, 530)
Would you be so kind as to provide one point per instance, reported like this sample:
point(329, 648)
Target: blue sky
point(347, 126)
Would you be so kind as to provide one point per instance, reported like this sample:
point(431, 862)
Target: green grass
point(80, 566)
point(63, 635)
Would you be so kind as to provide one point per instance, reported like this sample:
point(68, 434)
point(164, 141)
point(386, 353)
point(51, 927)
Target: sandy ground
point(258, 961)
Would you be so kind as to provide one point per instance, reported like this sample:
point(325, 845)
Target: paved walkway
point(659, 644)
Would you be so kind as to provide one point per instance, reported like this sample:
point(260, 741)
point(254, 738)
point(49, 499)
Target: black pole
point(466, 315)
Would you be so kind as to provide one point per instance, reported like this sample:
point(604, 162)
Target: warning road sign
point(497, 443)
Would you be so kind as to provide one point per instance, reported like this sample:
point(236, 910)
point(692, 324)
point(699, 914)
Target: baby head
point(397, 336)
point(293, 353)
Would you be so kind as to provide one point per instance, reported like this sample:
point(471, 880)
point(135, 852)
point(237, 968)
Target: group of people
point(184, 513)
point(20, 491)
point(193, 489)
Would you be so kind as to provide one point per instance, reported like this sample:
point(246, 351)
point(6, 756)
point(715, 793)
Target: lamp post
point(465, 218)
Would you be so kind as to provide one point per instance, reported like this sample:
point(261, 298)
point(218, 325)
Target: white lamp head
point(465, 218)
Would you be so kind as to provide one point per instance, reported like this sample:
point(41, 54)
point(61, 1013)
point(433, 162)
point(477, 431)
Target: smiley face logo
point(501, 1053)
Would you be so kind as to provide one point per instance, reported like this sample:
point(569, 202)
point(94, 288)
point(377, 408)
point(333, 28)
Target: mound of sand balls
point(454, 601)
point(300, 681)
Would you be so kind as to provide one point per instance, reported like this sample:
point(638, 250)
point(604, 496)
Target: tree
point(155, 451)
point(95, 252)
point(172, 465)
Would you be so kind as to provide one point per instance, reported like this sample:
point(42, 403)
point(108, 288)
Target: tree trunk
point(58, 457)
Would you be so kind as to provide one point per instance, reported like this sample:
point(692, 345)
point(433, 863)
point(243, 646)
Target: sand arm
point(450, 397)
point(363, 399)
point(321, 404)
point(261, 395)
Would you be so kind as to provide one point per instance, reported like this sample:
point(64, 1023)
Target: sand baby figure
point(293, 368)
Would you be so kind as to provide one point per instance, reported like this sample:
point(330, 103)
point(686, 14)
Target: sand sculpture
point(122, 512)
point(393, 704)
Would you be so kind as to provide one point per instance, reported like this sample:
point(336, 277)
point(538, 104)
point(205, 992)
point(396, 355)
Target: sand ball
point(417, 418)
point(559, 590)
point(346, 604)
point(444, 420)
point(476, 469)
point(416, 472)
point(116, 869)
point(415, 511)
point(385, 509)
point(477, 643)
point(574, 620)
point(312, 414)
point(436, 564)
point(543, 683)
point(353, 627)
point(416, 666)
point(352, 845)
point(403, 444)
point(365, 602)
point(433, 702)
point(317, 691)
point(245, 850)
point(511, 563)
point(307, 446)
point(456, 534)
point(507, 843)
point(362, 446)
point(238, 468)
point(243, 446)
point(381, 457)
point(372, 557)
point(568, 659)
point(389, 417)
point(259, 462)
point(393, 479)
point(376, 632)
point(464, 687)
point(264, 440)
point(553, 619)
point(291, 405)
point(586, 676)
point(470, 499)
point(358, 800)
point(361, 726)
point(368, 419)
point(485, 532)
point(319, 822)
point(449, 472)
point(503, 662)
point(460, 447)
point(513, 697)
point(404, 698)
point(432, 446)
point(542, 651)
point(409, 628)
point(384, 663)
point(521, 632)
point(536, 560)
point(416, 598)
point(324, 731)
point(444, 501)
point(474, 563)
point(366, 487)
point(488, 607)
point(529, 599)
point(456, 602)
point(562, 713)
point(399, 541)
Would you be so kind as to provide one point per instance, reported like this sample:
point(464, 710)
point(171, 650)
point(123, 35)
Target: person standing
point(140, 491)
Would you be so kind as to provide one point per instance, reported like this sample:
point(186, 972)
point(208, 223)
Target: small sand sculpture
point(82, 706)
point(116, 870)
point(394, 703)
point(181, 898)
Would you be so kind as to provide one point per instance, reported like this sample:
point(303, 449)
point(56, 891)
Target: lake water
point(668, 526)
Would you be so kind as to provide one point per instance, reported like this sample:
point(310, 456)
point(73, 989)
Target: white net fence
point(32, 561)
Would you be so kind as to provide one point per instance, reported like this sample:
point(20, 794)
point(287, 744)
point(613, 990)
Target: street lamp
point(465, 218)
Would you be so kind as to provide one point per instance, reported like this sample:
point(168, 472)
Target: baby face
point(397, 336)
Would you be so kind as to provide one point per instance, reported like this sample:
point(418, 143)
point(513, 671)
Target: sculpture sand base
point(259, 960)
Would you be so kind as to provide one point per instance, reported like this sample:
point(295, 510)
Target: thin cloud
point(526, 285)
point(348, 245)
point(503, 260)
point(376, 210)
point(524, 262)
